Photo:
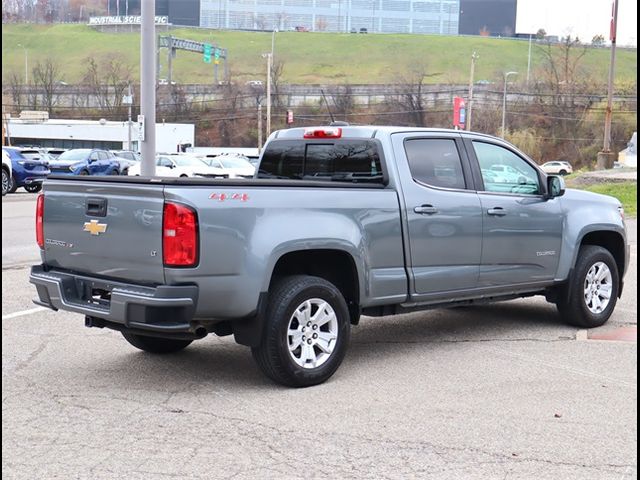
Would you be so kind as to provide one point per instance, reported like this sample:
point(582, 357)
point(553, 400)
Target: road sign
point(141, 128)
point(207, 53)
point(289, 117)
point(459, 112)
point(216, 56)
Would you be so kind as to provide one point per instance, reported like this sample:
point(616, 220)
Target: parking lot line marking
point(23, 312)
point(557, 366)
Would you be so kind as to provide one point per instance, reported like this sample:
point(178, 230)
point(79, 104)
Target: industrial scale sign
point(125, 20)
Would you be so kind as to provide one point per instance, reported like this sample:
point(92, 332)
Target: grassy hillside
point(309, 57)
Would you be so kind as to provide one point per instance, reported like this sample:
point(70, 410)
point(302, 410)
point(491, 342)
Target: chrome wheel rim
point(6, 184)
point(312, 333)
point(598, 286)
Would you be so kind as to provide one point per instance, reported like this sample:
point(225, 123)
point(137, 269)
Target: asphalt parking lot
point(501, 391)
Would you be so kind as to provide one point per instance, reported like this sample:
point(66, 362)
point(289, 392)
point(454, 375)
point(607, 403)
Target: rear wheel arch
point(336, 266)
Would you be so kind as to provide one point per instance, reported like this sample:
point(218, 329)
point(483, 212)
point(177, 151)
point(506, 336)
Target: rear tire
point(306, 332)
point(84, 172)
point(593, 289)
point(562, 172)
point(156, 344)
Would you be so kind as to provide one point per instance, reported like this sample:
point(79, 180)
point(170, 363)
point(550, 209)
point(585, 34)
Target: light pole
point(269, 57)
point(504, 99)
point(26, 64)
point(474, 57)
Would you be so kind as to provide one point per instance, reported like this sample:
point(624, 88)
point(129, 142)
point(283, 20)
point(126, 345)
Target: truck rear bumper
point(162, 309)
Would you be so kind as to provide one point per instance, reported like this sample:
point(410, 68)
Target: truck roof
point(362, 131)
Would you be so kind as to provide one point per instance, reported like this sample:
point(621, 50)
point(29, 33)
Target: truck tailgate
point(108, 229)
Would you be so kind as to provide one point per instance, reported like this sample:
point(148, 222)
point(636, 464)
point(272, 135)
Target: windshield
point(74, 155)
point(234, 162)
point(188, 162)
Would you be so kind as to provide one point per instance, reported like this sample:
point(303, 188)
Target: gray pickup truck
point(339, 222)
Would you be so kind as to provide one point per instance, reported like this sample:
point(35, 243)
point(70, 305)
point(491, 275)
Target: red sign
point(459, 112)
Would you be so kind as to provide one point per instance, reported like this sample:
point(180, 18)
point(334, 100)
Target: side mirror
point(555, 186)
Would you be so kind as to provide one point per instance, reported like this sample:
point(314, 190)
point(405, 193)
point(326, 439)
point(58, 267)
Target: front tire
point(34, 188)
point(306, 334)
point(156, 344)
point(13, 186)
point(6, 181)
point(593, 289)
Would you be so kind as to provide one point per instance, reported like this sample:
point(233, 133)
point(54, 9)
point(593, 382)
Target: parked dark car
point(126, 159)
point(26, 172)
point(85, 161)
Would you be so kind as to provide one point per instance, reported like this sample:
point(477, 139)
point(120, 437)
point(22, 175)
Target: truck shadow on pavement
point(219, 362)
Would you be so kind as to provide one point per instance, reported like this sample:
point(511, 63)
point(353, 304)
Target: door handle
point(426, 209)
point(497, 211)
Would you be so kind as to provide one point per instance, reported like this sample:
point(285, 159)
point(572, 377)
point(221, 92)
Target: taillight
point(40, 221)
point(179, 236)
point(333, 132)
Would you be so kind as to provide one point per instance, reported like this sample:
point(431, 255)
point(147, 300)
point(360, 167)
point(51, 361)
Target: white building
point(94, 134)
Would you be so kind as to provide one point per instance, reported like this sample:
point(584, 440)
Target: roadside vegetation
point(626, 192)
point(77, 72)
point(313, 58)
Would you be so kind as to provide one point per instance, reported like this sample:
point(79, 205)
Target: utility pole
point(170, 60)
point(529, 60)
point(259, 127)
point(504, 101)
point(606, 156)
point(269, 60)
point(474, 57)
point(129, 101)
point(148, 88)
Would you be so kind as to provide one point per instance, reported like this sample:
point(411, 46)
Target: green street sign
point(207, 53)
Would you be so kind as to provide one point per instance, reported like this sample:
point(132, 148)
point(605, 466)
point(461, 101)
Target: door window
point(93, 157)
point(435, 162)
point(505, 172)
point(164, 162)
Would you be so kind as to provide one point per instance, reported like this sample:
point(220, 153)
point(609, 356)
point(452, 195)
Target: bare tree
point(277, 69)
point(342, 96)
point(46, 80)
point(16, 87)
point(409, 99)
point(108, 81)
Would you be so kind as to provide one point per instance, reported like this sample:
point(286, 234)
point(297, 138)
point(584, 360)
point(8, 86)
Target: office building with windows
point(375, 16)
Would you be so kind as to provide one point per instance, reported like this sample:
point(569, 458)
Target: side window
point(282, 160)
point(103, 155)
point(435, 162)
point(164, 162)
point(94, 156)
point(505, 172)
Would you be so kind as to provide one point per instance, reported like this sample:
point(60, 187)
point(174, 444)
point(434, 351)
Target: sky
point(584, 18)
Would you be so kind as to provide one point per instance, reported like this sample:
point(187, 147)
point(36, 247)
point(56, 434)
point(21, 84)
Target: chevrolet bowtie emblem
point(94, 227)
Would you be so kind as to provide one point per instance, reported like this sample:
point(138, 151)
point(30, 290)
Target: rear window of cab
point(341, 161)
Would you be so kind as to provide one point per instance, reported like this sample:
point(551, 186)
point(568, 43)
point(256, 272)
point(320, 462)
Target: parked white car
point(6, 173)
point(181, 166)
point(557, 168)
point(235, 166)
